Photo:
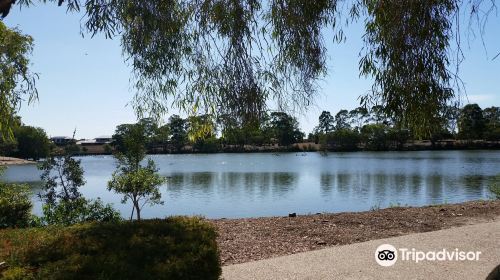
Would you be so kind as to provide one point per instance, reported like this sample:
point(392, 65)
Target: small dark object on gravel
point(251, 239)
point(292, 215)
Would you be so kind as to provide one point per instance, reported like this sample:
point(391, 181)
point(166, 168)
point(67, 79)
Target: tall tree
point(359, 117)
point(492, 126)
point(326, 122)
point(178, 130)
point(471, 123)
point(285, 128)
point(342, 120)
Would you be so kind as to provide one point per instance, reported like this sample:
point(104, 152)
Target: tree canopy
point(235, 56)
point(16, 80)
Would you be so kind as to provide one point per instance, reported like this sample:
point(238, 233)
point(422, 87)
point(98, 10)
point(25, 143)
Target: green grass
point(173, 248)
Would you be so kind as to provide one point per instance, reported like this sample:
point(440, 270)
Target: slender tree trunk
point(137, 209)
point(132, 214)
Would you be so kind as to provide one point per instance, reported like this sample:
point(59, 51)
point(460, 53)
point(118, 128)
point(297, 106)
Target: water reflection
point(245, 185)
point(230, 183)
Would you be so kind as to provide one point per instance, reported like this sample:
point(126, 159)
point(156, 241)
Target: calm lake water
point(252, 185)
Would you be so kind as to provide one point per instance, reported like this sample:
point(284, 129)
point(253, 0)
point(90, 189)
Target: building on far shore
point(104, 139)
point(62, 140)
point(101, 140)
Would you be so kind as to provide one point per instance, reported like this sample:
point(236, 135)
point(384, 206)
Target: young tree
point(136, 182)
point(63, 201)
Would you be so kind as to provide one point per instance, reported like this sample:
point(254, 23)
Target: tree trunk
point(137, 210)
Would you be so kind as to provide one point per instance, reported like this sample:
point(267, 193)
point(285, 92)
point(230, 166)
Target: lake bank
point(244, 240)
point(413, 145)
point(4, 161)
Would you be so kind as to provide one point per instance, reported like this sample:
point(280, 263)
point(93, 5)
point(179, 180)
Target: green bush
point(173, 248)
point(78, 211)
point(15, 205)
point(495, 188)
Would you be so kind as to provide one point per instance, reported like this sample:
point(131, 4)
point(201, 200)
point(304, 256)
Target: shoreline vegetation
point(252, 239)
point(417, 145)
point(422, 145)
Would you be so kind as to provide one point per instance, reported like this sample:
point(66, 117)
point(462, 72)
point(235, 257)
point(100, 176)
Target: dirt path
point(244, 240)
point(13, 161)
point(357, 261)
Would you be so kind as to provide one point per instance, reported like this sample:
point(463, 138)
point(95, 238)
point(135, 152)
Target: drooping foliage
point(407, 55)
point(235, 57)
point(17, 82)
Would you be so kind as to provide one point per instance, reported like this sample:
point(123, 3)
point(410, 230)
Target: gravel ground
point(244, 240)
point(13, 161)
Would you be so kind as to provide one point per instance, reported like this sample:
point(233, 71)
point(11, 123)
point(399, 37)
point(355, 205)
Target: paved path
point(357, 261)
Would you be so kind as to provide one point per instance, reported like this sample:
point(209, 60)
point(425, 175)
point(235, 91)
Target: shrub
point(79, 211)
point(15, 205)
point(173, 248)
point(495, 188)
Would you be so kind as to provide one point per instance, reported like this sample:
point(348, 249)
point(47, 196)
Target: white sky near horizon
point(84, 82)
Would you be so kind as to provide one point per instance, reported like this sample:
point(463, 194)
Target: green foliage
point(107, 149)
point(174, 248)
point(285, 129)
point(62, 178)
point(403, 39)
point(15, 205)
point(207, 145)
point(32, 142)
point(63, 202)
point(471, 122)
point(178, 130)
point(139, 184)
point(130, 142)
point(136, 182)
point(342, 120)
point(495, 188)
point(16, 81)
point(234, 57)
point(375, 137)
point(326, 122)
point(80, 210)
point(341, 140)
point(492, 128)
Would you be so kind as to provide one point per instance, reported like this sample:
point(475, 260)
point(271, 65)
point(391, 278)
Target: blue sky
point(84, 82)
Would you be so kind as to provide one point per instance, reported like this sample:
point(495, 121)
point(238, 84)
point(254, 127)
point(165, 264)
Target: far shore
point(5, 161)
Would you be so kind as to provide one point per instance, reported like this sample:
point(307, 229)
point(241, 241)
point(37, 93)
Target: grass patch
point(173, 248)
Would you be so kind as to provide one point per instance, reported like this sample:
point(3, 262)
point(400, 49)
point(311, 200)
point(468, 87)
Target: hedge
point(172, 248)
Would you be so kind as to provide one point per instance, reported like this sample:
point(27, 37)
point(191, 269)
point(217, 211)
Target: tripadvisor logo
point(387, 255)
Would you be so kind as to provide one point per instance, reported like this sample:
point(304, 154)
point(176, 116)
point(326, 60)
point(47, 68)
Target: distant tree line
point(371, 129)
point(360, 128)
point(207, 134)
